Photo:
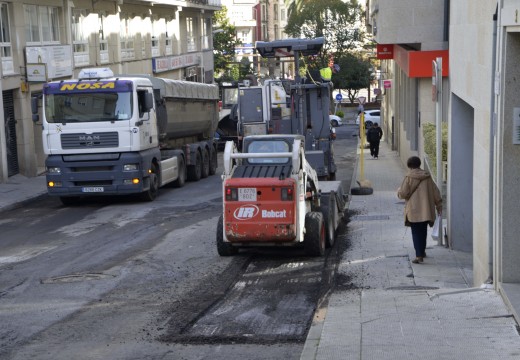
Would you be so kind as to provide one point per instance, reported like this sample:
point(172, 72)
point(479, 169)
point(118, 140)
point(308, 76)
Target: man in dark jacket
point(374, 136)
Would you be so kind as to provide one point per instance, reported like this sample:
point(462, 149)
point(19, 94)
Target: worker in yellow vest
point(326, 73)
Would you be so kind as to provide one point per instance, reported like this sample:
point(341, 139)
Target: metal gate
point(10, 133)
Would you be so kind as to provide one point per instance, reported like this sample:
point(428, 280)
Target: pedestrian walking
point(374, 136)
point(422, 197)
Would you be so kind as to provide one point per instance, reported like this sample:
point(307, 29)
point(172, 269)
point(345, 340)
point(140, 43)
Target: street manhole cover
point(75, 278)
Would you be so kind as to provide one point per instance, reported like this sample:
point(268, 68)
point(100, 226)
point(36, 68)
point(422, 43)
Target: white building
point(482, 109)
point(55, 39)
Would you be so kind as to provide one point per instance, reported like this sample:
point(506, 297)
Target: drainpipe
point(446, 20)
point(492, 124)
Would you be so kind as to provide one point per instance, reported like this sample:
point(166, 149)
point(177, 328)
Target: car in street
point(370, 115)
point(335, 120)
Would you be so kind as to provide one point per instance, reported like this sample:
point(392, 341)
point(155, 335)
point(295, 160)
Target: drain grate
point(371, 217)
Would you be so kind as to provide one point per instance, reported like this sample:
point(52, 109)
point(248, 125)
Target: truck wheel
point(223, 248)
point(181, 179)
point(69, 200)
point(153, 189)
point(329, 218)
point(213, 163)
point(314, 240)
point(204, 172)
point(194, 171)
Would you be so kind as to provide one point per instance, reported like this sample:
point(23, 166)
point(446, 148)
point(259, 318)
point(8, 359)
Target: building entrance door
point(10, 133)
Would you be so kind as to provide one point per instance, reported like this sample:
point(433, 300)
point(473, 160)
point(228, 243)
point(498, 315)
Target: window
point(190, 41)
point(206, 29)
point(276, 11)
point(170, 44)
point(126, 36)
point(155, 37)
point(268, 146)
point(5, 41)
point(79, 38)
point(103, 43)
point(42, 24)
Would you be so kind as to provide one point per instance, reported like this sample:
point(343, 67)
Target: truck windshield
point(88, 107)
point(229, 97)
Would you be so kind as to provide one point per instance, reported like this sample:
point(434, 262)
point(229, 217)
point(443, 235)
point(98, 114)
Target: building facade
point(482, 110)
point(43, 40)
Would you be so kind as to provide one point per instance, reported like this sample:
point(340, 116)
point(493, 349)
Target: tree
point(224, 41)
point(245, 67)
point(355, 74)
point(312, 19)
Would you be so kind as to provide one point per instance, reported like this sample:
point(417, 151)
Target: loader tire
point(223, 248)
point(329, 219)
point(314, 239)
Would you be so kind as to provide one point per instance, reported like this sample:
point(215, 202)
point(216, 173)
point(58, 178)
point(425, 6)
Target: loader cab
point(268, 146)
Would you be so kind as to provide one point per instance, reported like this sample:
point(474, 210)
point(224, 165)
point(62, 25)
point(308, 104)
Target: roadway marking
point(24, 254)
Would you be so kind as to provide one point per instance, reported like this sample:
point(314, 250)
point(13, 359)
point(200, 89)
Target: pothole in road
point(75, 278)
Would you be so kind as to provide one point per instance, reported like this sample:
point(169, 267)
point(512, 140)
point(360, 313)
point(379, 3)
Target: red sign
point(385, 51)
point(387, 84)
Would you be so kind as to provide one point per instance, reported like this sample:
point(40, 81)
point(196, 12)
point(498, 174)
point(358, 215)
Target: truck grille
point(95, 140)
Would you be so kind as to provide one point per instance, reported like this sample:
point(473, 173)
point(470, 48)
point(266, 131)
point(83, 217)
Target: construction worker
point(326, 73)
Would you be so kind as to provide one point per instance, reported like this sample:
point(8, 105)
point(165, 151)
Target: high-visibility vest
point(326, 73)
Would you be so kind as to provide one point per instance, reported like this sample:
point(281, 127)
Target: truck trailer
point(127, 134)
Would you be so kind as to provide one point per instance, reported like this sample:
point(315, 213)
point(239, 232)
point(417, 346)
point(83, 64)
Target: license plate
point(246, 194)
point(93, 189)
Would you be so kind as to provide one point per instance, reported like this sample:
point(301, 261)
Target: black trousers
point(374, 148)
point(419, 235)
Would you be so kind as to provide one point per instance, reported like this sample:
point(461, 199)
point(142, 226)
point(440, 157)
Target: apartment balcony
point(418, 23)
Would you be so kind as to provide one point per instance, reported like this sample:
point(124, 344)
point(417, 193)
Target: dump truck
point(272, 197)
point(126, 134)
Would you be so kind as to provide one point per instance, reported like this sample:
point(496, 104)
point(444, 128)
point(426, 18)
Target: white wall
point(471, 79)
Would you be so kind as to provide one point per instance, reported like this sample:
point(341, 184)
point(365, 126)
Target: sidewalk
point(385, 307)
point(19, 190)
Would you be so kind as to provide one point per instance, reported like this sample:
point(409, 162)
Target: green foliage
point(232, 73)
point(245, 67)
point(224, 41)
point(335, 20)
point(340, 113)
point(430, 143)
point(354, 75)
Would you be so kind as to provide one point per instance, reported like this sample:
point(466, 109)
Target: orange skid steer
point(271, 197)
